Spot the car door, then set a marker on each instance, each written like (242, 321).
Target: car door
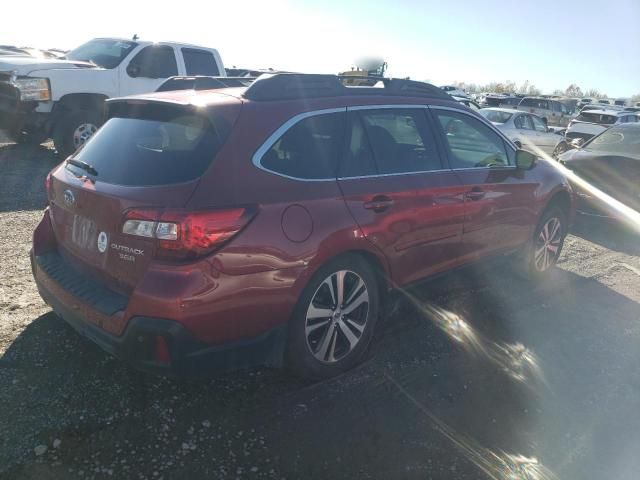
(546, 140)
(525, 131)
(499, 198)
(148, 69)
(400, 193)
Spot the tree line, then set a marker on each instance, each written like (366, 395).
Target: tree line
(527, 88)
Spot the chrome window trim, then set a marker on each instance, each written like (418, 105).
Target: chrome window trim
(488, 124)
(386, 106)
(378, 175)
(281, 130)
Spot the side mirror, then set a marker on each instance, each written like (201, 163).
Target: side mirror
(133, 70)
(525, 160)
(577, 142)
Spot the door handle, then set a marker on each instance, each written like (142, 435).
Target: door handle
(475, 194)
(379, 203)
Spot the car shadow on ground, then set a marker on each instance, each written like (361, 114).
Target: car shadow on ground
(608, 233)
(474, 372)
(24, 169)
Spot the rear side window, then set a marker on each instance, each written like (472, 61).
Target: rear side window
(200, 62)
(154, 61)
(138, 151)
(309, 149)
(400, 140)
(471, 143)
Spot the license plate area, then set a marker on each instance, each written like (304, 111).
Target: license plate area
(84, 233)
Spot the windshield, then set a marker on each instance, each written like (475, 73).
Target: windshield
(102, 52)
(495, 116)
(616, 140)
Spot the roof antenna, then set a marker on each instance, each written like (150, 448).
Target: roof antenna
(135, 37)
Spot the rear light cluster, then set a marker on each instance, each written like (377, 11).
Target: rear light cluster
(180, 234)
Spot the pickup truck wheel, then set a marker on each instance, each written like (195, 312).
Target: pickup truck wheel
(73, 130)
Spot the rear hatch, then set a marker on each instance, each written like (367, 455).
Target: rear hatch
(592, 122)
(147, 157)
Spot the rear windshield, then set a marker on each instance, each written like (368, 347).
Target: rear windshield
(593, 117)
(138, 151)
(616, 140)
(495, 116)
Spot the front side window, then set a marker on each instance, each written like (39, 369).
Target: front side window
(200, 62)
(309, 149)
(523, 122)
(154, 61)
(538, 124)
(400, 140)
(471, 143)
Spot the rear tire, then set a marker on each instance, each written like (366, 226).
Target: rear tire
(328, 337)
(73, 130)
(543, 250)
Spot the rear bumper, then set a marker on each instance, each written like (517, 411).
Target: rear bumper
(137, 345)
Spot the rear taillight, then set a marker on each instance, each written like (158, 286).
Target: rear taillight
(182, 234)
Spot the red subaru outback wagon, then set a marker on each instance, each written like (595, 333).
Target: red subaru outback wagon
(264, 225)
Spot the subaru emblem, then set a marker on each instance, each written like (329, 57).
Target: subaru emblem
(103, 241)
(69, 197)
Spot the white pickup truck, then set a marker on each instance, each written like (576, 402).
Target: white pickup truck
(64, 99)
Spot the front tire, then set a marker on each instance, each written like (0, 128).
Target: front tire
(73, 130)
(544, 249)
(334, 319)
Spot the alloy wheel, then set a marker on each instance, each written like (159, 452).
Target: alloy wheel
(337, 316)
(547, 245)
(82, 133)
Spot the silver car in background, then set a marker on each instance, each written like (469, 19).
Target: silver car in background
(526, 130)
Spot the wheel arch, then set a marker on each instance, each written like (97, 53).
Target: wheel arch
(80, 101)
(561, 199)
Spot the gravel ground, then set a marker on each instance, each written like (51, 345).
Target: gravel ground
(475, 375)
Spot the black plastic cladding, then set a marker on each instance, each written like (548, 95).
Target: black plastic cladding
(288, 86)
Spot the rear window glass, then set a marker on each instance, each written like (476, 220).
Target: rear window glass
(496, 117)
(136, 151)
(599, 118)
(309, 149)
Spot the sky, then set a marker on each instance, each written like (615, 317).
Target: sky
(550, 43)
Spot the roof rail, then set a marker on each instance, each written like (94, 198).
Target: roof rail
(290, 86)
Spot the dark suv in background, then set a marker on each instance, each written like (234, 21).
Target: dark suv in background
(265, 225)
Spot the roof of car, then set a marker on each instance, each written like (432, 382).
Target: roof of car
(282, 87)
(504, 110)
(607, 111)
(150, 42)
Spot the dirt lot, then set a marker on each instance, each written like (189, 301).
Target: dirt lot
(475, 375)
